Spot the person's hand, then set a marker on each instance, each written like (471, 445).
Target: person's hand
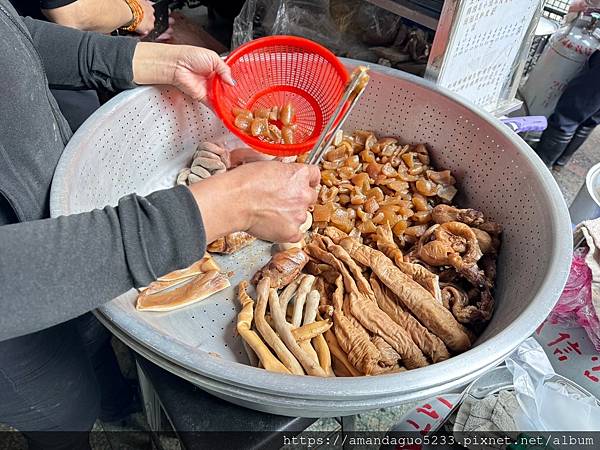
(186, 67)
(280, 196)
(195, 66)
(577, 6)
(147, 23)
(168, 33)
(240, 156)
(268, 199)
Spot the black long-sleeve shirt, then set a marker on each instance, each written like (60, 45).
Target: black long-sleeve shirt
(33, 8)
(52, 270)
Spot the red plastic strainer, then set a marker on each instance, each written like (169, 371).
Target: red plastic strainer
(276, 70)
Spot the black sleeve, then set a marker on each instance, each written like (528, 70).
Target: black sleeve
(53, 270)
(52, 4)
(76, 59)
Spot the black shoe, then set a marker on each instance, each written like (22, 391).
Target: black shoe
(578, 140)
(552, 145)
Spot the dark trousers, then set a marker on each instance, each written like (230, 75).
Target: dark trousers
(54, 383)
(579, 105)
(76, 106)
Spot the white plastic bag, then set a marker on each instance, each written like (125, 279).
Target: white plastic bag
(548, 400)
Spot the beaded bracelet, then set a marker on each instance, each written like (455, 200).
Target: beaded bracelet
(138, 15)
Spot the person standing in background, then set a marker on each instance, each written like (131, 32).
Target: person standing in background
(103, 16)
(577, 112)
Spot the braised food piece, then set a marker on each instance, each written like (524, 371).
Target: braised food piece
(304, 289)
(488, 264)
(446, 213)
(362, 283)
(379, 323)
(389, 356)
(368, 314)
(361, 352)
(283, 268)
(205, 264)
(340, 363)
(231, 243)
(317, 344)
(454, 244)
(430, 344)
(267, 332)
(362, 73)
(324, 354)
(426, 278)
(484, 240)
(244, 328)
(290, 290)
(461, 303)
(198, 288)
(493, 228)
(337, 353)
(287, 114)
(275, 125)
(421, 303)
(311, 330)
(310, 364)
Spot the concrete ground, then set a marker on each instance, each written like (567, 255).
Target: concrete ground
(572, 177)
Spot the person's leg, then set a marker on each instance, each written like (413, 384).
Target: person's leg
(579, 103)
(581, 135)
(116, 393)
(48, 390)
(580, 100)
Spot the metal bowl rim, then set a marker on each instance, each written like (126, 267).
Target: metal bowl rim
(459, 367)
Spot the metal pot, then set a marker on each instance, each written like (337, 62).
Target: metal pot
(586, 205)
(152, 133)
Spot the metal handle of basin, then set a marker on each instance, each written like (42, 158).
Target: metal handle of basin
(527, 123)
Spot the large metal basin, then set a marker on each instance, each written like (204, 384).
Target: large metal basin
(139, 140)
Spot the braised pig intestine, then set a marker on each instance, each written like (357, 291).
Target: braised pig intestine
(453, 244)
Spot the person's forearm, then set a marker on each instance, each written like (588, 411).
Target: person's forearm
(155, 63)
(92, 15)
(186, 67)
(75, 59)
(54, 270)
(224, 205)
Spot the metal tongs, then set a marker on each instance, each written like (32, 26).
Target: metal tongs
(356, 86)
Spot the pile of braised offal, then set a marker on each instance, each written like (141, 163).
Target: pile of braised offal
(392, 277)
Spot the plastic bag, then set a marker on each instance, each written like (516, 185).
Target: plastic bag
(377, 26)
(343, 13)
(254, 20)
(574, 307)
(307, 18)
(546, 400)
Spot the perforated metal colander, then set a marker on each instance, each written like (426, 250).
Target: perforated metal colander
(139, 140)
